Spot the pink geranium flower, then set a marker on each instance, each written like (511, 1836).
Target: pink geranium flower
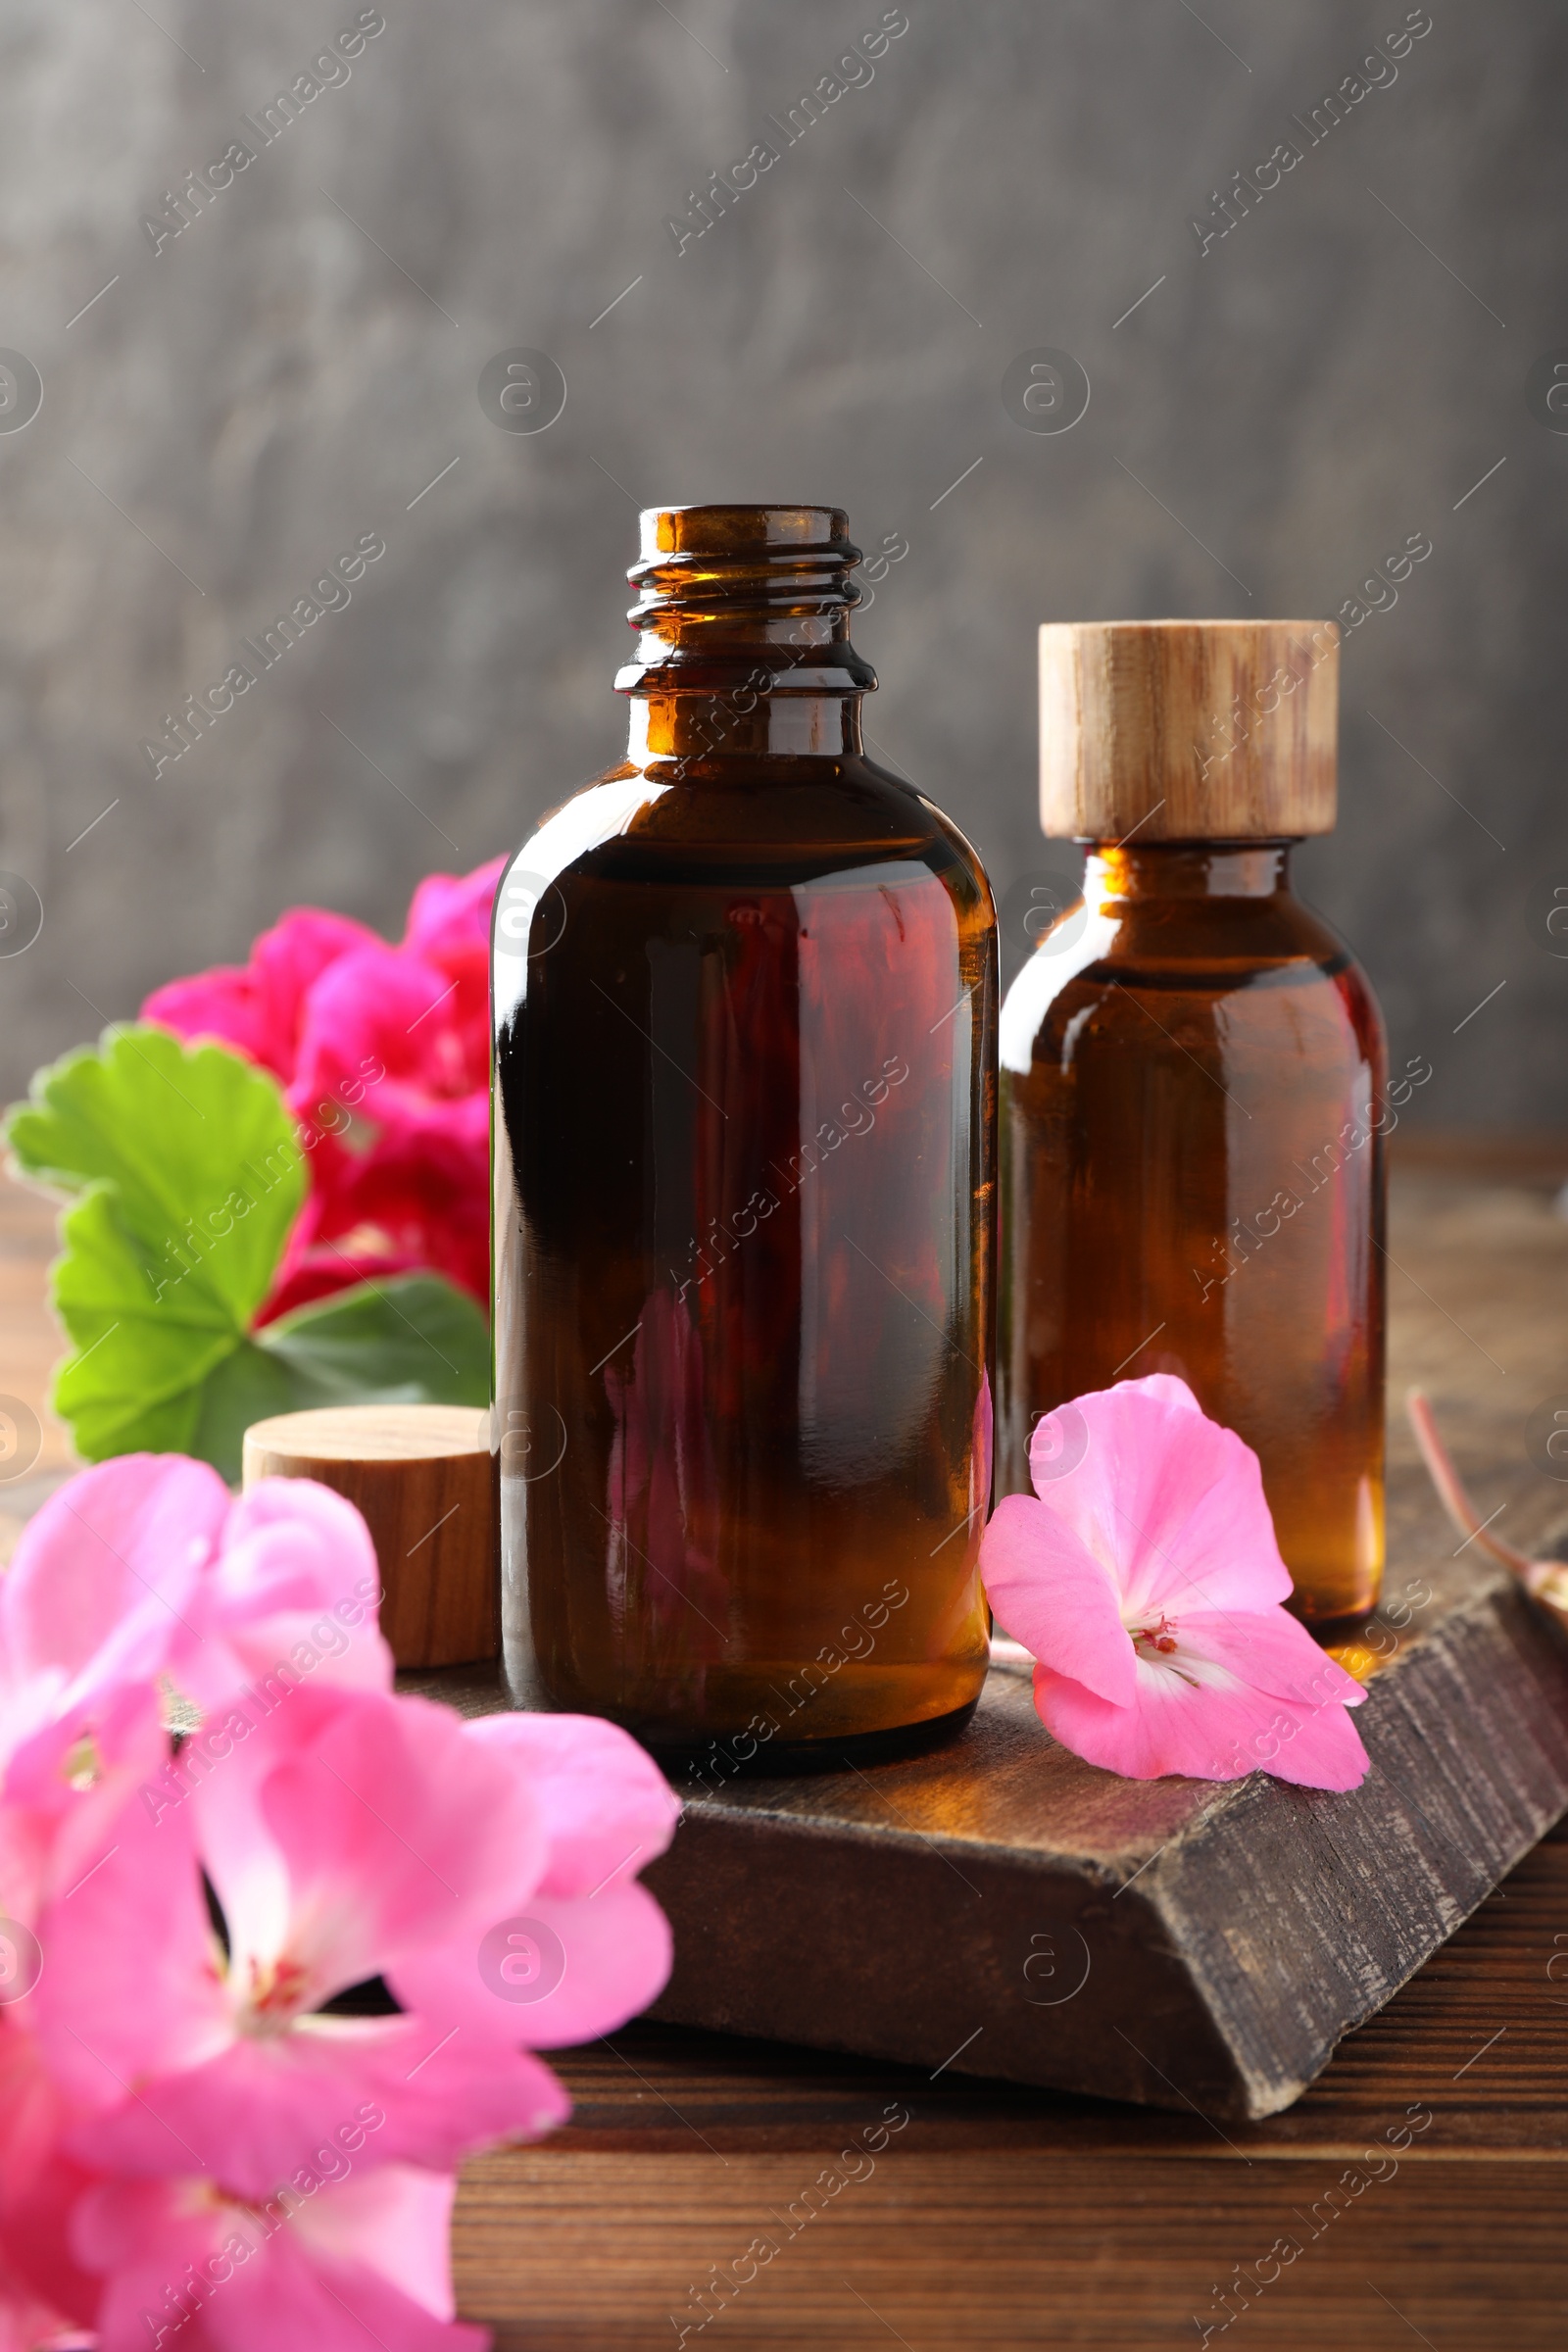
(201, 2142)
(348, 1837)
(1145, 1578)
(384, 1052)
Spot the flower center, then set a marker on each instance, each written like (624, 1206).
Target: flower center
(82, 1766)
(1157, 1636)
(278, 1994)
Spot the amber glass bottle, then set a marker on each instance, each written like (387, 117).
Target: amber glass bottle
(1193, 1099)
(743, 1000)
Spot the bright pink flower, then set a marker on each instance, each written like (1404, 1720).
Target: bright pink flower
(351, 2259)
(448, 920)
(259, 1008)
(384, 1052)
(345, 1832)
(348, 1837)
(1146, 1581)
(393, 1032)
(180, 2073)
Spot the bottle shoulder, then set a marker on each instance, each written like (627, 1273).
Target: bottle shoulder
(1096, 974)
(799, 813)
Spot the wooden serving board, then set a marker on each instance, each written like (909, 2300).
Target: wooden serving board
(1001, 1908)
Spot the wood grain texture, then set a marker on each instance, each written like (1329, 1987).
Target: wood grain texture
(1178, 730)
(423, 1476)
(1022, 2217)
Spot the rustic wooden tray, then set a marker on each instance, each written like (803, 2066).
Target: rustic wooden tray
(1001, 1908)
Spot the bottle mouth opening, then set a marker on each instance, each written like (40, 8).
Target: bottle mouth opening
(739, 531)
(763, 589)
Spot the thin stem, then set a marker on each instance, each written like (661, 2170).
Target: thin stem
(1451, 1495)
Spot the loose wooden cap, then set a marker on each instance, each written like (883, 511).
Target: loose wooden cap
(1188, 731)
(423, 1476)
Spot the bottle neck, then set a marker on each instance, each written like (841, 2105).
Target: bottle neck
(1253, 869)
(743, 636)
(747, 724)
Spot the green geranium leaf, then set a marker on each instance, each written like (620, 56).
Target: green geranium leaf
(188, 1177)
(412, 1340)
(428, 1341)
(191, 1177)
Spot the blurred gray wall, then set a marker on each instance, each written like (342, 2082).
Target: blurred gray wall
(287, 374)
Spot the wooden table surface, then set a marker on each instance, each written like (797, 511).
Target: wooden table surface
(1001, 2216)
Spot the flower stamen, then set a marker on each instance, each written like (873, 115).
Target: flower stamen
(278, 1994)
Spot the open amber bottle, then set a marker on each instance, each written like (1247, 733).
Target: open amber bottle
(1193, 1096)
(744, 1002)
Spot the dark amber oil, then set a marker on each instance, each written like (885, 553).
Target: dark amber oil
(744, 994)
(1192, 1109)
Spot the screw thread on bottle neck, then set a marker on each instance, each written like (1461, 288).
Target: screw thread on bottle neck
(738, 601)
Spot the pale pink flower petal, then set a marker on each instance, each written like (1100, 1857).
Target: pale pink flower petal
(1048, 1591)
(605, 1948)
(607, 1807)
(589, 1964)
(100, 1591)
(1272, 1652)
(101, 1600)
(1172, 1497)
(66, 1785)
(295, 1584)
(396, 2219)
(132, 1985)
(1222, 1730)
(143, 1571)
(253, 2115)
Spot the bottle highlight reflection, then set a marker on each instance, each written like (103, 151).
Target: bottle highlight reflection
(742, 1193)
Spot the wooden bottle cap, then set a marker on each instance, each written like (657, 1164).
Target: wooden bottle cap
(1188, 731)
(421, 1475)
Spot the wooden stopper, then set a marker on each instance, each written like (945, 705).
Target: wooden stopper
(421, 1475)
(1188, 731)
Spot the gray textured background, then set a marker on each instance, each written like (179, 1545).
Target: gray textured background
(290, 371)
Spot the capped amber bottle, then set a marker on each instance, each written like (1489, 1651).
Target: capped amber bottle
(1193, 1092)
(744, 1005)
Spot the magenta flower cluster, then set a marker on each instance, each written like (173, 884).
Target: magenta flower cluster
(277, 1946)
